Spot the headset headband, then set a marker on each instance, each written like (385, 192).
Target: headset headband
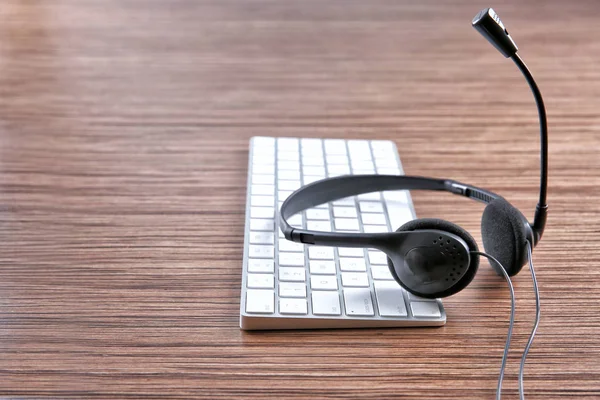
(331, 189)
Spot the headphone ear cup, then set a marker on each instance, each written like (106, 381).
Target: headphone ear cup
(504, 231)
(442, 225)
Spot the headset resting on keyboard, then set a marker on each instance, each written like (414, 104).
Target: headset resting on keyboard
(433, 257)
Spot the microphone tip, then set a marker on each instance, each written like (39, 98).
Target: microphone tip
(481, 14)
(488, 23)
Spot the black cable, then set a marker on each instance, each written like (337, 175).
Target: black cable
(535, 325)
(511, 321)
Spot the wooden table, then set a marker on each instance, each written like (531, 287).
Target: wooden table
(124, 129)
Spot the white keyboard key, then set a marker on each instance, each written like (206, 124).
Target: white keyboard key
(350, 252)
(400, 196)
(335, 146)
(347, 201)
(263, 170)
(323, 226)
(260, 301)
(315, 171)
(363, 168)
(293, 306)
(352, 264)
(261, 265)
(323, 282)
(268, 201)
(384, 153)
(399, 215)
(346, 224)
(344, 212)
(428, 309)
(260, 160)
(288, 155)
(262, 212)
(261, 237)
(292, 289)
(289, 185)
(312, 151)
(260, 154)
(388, 171)
(373, 219)
(381, 272)
(370, 206)
(320, 214)
(295, 259)
(358, 302)
(287, 144)
(288, 245)
(390, 300)
(322, 267)
(283, 194)
(337, 170)
(261, 251)
(361, 161)
(263, 141)
(377, 257)
(359, 147)
(295, 220)
(288, 165)
(310, 142)
(375, 228)
(355, 279)
(362, 164)
(261, 281)
(263, 179)
(363, 171)
(261, 224)
(312, 161)
(335, 174)
(336, 160)
(292, 274)
(288, 175)
(369, 196)
(320, 253)
(326, 303)
(310, 179)
(268, 190)
(385, 163)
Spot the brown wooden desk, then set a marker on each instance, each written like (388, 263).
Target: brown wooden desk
(124, 129)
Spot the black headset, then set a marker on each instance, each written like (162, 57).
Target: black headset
(432, 257)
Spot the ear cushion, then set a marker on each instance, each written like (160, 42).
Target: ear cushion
(504, 231)
(440, 224)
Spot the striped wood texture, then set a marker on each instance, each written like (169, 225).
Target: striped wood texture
(124, 129)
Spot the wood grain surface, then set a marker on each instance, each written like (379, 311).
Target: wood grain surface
(124, 129)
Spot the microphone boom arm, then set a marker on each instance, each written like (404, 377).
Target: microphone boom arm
(541, 210)
(488, 23)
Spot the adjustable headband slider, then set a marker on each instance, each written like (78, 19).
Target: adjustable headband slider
(296, 236)
(291, 234)
(455, 187)
(471, 192)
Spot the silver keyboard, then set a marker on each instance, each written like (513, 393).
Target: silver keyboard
(287, 285)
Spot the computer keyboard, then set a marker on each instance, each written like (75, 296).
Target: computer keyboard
(288, 285)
